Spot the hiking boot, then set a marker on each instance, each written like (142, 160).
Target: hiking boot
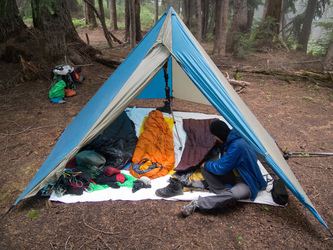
(174, 188)
(189, 209)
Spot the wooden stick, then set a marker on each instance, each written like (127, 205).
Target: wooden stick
(27, 129)
(237, 82)
(97, 230)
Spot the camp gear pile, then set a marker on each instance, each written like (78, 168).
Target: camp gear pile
(64, 80)
(110, 181)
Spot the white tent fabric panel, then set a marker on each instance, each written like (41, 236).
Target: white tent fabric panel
(183, 87)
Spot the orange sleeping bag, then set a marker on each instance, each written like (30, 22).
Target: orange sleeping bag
(155, 144)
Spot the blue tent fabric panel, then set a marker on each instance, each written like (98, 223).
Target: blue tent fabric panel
(196, 67)
(156, 88)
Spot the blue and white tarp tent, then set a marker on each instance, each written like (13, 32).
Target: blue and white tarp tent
(193, 77)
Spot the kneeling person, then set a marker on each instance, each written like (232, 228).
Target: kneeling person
(235, 176)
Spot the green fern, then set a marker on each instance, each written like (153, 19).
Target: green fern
(33, 214)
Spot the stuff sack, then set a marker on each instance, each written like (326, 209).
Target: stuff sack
(279, 193)
(58, 90)
(91, 161)
(145, 167)
(70, 92)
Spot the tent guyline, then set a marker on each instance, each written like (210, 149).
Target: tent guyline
(192, 76)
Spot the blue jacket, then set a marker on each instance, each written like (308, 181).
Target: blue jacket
(238, 154)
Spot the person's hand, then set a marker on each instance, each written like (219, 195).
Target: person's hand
(202, 165)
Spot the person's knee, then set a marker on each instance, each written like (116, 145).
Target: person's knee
(204, 172)
(241, 191)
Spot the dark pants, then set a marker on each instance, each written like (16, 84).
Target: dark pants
(224, 194)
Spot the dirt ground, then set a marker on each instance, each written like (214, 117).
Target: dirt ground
(297, 112)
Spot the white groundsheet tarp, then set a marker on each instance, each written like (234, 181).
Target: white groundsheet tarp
(137, 115)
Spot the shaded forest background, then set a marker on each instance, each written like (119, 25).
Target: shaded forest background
(236, 28)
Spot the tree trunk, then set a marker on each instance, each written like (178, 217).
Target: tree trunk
(113, 15)
(264, 11)
(217, 18)
(61, 38)
(132, 29)
(36, 14)
(199, 21)
(176, 5)
(186, 12)
(164, 5)
(328, 61)
(273, 11)
(53, 27)
(102, 19)
(304, 35)
(250, 15)
(156, 11)
(238, 25)
(74, 8)
(283, 26)
(205, 16)
(212, 19)
(89, 14)
(127, 20)
(222, 7)
(138, 35)
(11, 24)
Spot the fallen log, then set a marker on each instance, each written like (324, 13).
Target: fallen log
(303, 74)
(112, 63)
(238, 85)
(237, 82)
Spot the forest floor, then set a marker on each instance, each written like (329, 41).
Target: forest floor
(297, 112)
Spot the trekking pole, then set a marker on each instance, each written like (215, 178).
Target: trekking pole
(287, 154)
(174, 122)
(168, 97)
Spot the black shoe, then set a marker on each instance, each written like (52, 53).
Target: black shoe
(189, 209)
(174, 188)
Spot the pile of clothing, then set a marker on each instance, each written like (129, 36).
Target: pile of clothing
(87, 172)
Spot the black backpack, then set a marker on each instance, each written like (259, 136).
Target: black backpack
(279, 193)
